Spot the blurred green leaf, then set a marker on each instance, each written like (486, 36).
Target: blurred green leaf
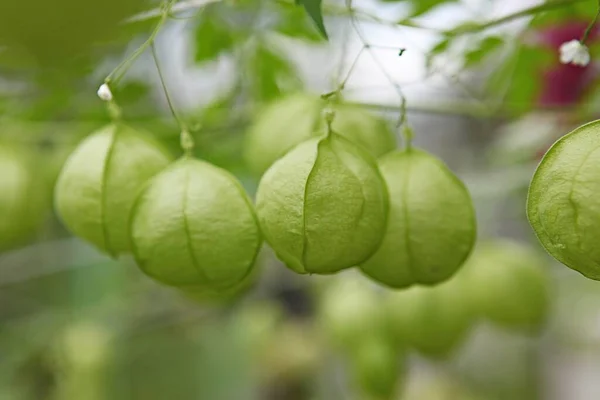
(437, 50)
(213, 37)
(516, 80)
(313, 9)
(294, 23)
(271, 73)
(420, 7)
(486, 47)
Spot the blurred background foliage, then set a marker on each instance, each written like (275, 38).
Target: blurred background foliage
(485, 92)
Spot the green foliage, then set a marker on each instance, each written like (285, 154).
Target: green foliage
(313, 9)
(270, 73)
(213, 37)
(294, 23)
(483, 49)
(420, 7)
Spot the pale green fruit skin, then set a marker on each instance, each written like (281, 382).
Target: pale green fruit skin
(296, 118)
(323, 206)
(433, 320)
(23, 205)
(350, 312)
(431, 228)
(507, 284)
(194, 226)
(377, 368)
(563, 205)
(99, 182)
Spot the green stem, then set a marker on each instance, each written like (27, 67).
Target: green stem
(116, 75)
(591, 25)
(552, 5)
(186, 141)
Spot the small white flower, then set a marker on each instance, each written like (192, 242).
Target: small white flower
(574, 52)
(104, 92)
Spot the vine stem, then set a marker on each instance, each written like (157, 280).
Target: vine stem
(591, 25)
(186, 140)
(407, 133)
(116, 74)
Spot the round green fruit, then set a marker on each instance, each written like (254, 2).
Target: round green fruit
(433, 320)
(350, 312)
(23, 197)
(296, 118)
(193, 226)
(563, 205)
(507, 284)
(377, 368)
(323, 206)
(100, 180)
(431, 226)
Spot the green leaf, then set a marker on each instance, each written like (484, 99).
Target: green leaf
(420, 7)
(294, 23)
(486, 47)
(516, 81)
(313, 9)
(213, 37)
(438, 49)
(272, 74)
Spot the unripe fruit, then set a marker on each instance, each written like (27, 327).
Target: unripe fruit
(433, 320)
(377, 368)
(563, 205)
(323, 206)
(431, 225)
(294, 119)
(99, 182)
(507, 284)
(23, 197)
(194, 226)
(350, 312)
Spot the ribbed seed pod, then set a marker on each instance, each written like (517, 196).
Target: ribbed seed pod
(23, 197)
(296, 118)
(193, 226)
(431, 226)
(433, 320)
(100, 180)
(323, 206)
(563, 205)
(507, 284)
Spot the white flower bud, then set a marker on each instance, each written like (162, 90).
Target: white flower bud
(574, 52)
(104, 92)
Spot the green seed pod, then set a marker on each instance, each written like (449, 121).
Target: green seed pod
(294, 119)
(507, 284)
(323, 206)
(377, 368)
(431, 226)
(563, 205)
(433, 320)
(194, 226)
(98, 184)
(23, 197)
(350, 312)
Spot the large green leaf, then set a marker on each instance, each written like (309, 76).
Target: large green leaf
(313, 9)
